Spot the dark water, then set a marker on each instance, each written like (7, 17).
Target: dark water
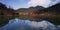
(18, 24)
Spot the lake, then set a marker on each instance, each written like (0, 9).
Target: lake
(18, 24)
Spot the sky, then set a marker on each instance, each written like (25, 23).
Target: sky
(16, 4)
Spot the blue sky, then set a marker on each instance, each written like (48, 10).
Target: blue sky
(28, 3)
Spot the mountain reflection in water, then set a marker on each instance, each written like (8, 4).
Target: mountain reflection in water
(17, 24)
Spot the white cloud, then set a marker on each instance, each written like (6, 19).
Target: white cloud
(43, 24)
(56, 1)
(44, 3)
(40, 24)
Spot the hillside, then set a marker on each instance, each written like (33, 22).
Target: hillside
(51, 14)
(5, 14)
(31, 9)
(54, 9)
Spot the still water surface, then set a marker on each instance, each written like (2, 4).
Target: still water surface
(18, 24)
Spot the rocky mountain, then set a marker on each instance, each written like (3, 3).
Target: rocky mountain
(54, 9)
(54, 12)
(31, 9)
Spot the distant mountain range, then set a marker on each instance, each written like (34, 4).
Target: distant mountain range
(52, 12)
(54, 9)
(31, 9)
(39, 9)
